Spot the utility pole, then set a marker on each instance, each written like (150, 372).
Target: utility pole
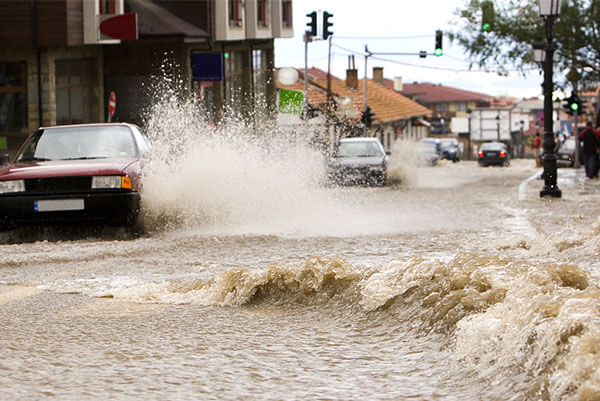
(367, 54)
(329, 95)
(365, 105)
(307, 38)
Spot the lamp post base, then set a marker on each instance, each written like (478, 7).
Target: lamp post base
(550, 190)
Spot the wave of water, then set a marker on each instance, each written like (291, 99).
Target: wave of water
(535, 325)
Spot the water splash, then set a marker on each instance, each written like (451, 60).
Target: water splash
(229, 175)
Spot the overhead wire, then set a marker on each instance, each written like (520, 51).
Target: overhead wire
(374, 56)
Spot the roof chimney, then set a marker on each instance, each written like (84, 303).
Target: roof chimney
(352, 78)
(378, 75)
(398, 84)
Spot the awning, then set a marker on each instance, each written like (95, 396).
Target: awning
(156, 21)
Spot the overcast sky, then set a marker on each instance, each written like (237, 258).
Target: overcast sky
(396, 26)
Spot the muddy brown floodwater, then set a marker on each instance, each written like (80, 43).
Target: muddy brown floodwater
(460, 283)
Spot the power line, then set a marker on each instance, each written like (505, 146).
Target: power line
(430, 66)
(382, 37)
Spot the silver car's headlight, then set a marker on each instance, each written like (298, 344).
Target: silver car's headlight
(11, 186)
(111, 182)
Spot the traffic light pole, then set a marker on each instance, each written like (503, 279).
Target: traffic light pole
(305, 100)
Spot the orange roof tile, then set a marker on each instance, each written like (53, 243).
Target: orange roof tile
(387, 104)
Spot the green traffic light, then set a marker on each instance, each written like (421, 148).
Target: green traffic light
(438, 52)
(574, 106)
(486, 27)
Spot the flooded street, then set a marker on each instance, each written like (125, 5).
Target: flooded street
(462, 284)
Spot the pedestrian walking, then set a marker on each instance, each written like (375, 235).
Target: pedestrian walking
(591, 145)
(537, 150)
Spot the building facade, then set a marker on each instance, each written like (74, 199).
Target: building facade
(60, 59)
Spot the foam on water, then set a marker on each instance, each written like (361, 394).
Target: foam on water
(535, 325)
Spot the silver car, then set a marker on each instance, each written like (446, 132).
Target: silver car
(359, 161)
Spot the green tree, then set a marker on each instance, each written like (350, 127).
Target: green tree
(517, 26)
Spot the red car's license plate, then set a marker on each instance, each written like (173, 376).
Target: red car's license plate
(58, 205)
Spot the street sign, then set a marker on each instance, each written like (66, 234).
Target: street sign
(120, 26)
(290, 101)
(112, 105)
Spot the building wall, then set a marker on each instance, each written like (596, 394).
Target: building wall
(41, 87)
(137, 72)
(36, 23)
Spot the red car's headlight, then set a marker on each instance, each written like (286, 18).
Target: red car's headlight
(11, 186)
(111, 182)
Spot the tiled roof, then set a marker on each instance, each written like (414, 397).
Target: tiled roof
(387, 104)
(428, 93)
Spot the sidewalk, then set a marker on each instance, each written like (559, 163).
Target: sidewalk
(569, 180)
(576, 179)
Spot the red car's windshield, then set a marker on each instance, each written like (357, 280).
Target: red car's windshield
(68, 143)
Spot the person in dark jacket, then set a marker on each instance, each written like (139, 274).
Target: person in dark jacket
(591, 143)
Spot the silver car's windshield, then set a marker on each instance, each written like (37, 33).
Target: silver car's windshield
(568, 145)
(428, 147)
(359, 149)
(447, 143)
(80, 143)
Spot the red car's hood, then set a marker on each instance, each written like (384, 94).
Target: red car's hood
(61, 168)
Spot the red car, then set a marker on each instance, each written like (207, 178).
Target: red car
(74, 174)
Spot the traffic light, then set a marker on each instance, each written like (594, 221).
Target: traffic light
(573, 105)
(487, 16)
(438, 43)
(367, 116)
(326, 24)
(567, 104)
(312, 24)
(580, 107)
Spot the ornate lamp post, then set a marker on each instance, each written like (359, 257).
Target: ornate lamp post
(549, 9)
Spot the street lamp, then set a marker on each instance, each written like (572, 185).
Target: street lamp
(549, 9)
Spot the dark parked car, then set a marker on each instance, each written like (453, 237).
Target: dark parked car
(74, 174)
(450, 149)
(430, 150)
(359, 161)
(493, 153)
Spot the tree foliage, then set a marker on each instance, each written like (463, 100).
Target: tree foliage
(517, 26)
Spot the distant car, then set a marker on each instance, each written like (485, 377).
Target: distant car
(450, 149)
(430, 150)
(359, 161)
(565, 155)
(493, 153)
(74, 174)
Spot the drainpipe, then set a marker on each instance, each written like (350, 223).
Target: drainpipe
(39, 61)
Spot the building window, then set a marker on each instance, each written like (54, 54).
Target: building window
(262, 13)
(461, 106)
(107, 6)
(442, 107)
(235, 12)
(13, 97)
(74, 92)
(286, 13)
